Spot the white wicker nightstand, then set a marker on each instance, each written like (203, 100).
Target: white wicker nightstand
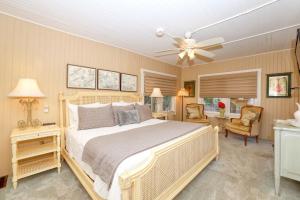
(34, 150)
(160, 115)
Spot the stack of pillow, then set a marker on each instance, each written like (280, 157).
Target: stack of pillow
(98, 115)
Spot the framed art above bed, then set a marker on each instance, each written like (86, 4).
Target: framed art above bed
(108, 80)
(128, 82)
(81, 77)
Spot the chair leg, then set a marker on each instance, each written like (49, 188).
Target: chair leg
(245, 139)
(256, 137)
(226, 133)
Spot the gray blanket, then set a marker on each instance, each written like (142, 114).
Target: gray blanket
(105, 153)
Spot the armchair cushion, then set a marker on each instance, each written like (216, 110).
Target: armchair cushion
(237, 127)
(247, 117)
(193, 113)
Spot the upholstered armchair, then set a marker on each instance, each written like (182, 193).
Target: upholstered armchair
(195, 113)
(248, 124)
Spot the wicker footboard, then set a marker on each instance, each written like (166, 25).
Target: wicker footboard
(171, 167)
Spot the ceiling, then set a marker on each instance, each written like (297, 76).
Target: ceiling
(131, 24)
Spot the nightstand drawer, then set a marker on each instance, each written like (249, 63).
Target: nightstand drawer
(35, 135)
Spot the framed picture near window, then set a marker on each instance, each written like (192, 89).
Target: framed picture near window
(128, 83)
(279, 85)
(190, 87)
(108, 80)
(81, 77)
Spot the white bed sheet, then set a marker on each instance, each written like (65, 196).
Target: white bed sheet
(76, 140)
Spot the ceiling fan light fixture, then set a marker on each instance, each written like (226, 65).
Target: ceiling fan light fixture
(191, 54)
(182, 54)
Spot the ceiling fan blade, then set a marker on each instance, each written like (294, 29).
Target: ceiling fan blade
(167, 50)
(166, 54)
(210, 42)
(204, 53)
(180, 41)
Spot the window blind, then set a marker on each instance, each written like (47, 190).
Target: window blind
(166, 84)
(239, 85)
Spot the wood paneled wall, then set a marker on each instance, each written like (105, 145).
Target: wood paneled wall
(29, 50)
(272, 62)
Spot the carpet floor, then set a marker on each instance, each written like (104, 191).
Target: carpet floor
(241, 173)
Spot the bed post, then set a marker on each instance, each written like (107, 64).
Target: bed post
(125, 185)
(61, 121)
(216, 131)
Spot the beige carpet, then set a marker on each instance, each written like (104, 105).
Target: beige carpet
(240, 173)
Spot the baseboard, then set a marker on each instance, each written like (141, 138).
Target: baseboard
(3, 181)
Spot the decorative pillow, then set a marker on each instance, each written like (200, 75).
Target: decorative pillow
(95, 117)
(144, 112)
(193, 113)
(247, 117)
(128, 117)
(73, 113)
(116, 109)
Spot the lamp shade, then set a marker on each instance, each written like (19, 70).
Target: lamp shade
(156, 93)
(183, 92)
(26, 88)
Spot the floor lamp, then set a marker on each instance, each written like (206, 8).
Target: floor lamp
(182, 93)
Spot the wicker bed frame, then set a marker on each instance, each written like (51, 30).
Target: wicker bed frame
(169, 169)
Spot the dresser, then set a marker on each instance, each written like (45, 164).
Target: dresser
(34, 150)
(287, 153)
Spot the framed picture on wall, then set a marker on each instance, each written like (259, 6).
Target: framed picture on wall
(108, 80)
(81, 77)
(190, 87)
(279, 85)
(128, 83)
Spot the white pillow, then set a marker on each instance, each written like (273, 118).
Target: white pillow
(123, 103)
(73, 113)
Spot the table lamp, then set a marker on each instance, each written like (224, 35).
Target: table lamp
(27, 90)
(182, 93)
(156, 93)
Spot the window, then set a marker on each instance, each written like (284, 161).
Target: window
(237, 103)
(168, 104)
(238, 88)
(232, 105)
(168, 86)
(211, 104)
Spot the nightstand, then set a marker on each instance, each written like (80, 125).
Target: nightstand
(34, 150)
(160, 115)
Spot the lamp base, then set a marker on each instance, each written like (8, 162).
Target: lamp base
(28, 104)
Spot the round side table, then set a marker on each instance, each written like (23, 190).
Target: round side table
(221, 122)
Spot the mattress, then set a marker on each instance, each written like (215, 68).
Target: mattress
(76, 140)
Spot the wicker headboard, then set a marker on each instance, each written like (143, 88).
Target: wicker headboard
(87, 98)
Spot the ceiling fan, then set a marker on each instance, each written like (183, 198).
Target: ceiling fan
(189, 47)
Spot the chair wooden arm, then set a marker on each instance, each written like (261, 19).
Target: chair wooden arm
(235, 119)
(254, 127)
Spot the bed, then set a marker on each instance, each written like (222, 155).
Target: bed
(157, 173)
